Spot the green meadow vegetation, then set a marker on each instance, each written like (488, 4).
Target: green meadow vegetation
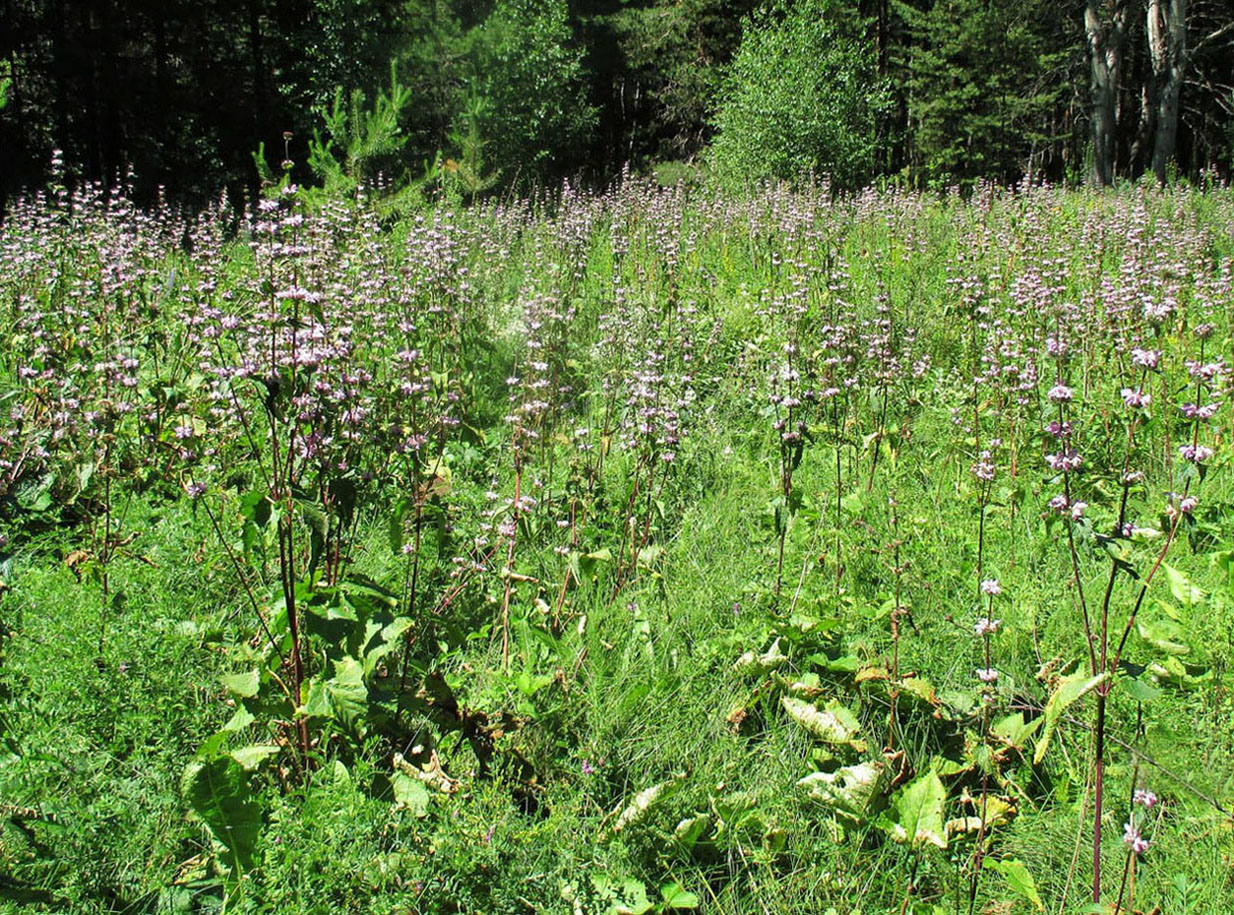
(647, 551)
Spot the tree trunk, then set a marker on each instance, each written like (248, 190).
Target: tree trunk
(1167, 47)
(1105, 24)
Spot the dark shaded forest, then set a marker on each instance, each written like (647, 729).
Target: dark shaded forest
(483, 96)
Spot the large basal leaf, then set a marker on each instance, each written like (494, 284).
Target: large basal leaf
(343, 697)
(410, 794)
(1070, 689)
(834, 723)
(673, 896)
(633, 812)
(251, 757)
(217, 790)
(917, 815)
(851, 791)
(1018, 879)
(1181, 587)
(244, 685)
(1165, 635)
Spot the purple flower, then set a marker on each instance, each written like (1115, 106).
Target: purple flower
(986, 626)
(1060, 393)
(1133, 840)
(1192, 411)
(984, 468)
(1135, 398)
(1146, 358)
(1196, 454)
(991, 586)
(987, 674)
(1064, 461)
(1145, 797)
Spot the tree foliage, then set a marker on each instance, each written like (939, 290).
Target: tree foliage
(180, 93)
(527, 67)
(989, 88)
(802, 97)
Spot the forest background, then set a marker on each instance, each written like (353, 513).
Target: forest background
(490, 96)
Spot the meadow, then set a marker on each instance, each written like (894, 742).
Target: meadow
(639, 552)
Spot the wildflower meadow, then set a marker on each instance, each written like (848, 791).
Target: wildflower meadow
(660, 549)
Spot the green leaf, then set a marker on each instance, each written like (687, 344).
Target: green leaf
(410, 794)
(1164, 635)
(833, 724)
(1019, 880)
(918, 813)
(394, 527)
(343, 698)
(677, 898)
(239, 721)
(692, 829)
(629, 897)
(217, 791)
(1013, 731)
(255, 507)
(1070, 689)
(1141, 690)
(251, 757)
(244, 685)
(644, 801)
(1181, 587)
(757, 665)
(851, 791)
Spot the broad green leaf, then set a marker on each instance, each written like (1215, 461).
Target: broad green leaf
(919, 688)
(343, 697)
(529, 683)
(644, 801)
(851, 791)
(1181, 587)
(759, 664)
(690, 830)
(1018, 879)
(394, 528)
(410, 794)
(629, 897)
(239, 721)
(1164, 635)
(834, 723)
(244, 685)
(677, 898)
(1070, 688)
(1013, 731)
(918, 813)
(1139, 689)
(255, 507)
(251, 757)
(217, 791)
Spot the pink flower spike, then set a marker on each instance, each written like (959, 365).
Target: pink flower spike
(1133, 840)
(986, 626)
(1060, 393)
